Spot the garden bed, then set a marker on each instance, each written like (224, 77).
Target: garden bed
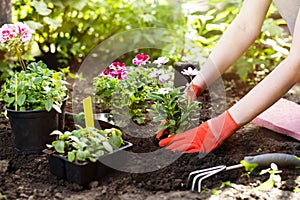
(28, 176)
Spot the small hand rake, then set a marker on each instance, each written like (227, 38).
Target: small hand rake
(249, 162)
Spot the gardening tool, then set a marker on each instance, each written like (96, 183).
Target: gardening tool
(249, 163)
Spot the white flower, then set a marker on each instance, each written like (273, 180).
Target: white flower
(156, 73)
(164, 78)
(190, 72)
(164, 90)
(161, 61)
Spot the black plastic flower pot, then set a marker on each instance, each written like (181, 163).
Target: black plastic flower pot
(31, 129)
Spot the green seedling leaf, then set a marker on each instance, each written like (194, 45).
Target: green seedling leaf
(71, 156)
(249, 167)
(60, 146)
(74, 138)
(107, 146)
(267, 185)
(224, 184)
(56, 132)
(81, 155)
(92, 159)
(115, 141)
(99, 153)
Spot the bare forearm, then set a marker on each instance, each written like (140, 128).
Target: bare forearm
(230, 47)
(234, 42)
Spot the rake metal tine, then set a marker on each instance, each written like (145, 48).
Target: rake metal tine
(204, 172)
(208, 175)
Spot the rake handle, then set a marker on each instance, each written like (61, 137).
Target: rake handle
(280, 159)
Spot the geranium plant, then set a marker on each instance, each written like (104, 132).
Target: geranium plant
(105, 84)
(123, 89)
(35, 87)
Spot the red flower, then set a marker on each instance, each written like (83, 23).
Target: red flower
(141, 59)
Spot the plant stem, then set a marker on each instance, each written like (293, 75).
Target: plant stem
(20, 58)
(16, 92)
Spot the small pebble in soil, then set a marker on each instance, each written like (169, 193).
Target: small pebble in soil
(3, 166)
(59, 195)
(93, 184)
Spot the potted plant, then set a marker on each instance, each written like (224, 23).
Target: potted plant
(76, 155)
(33, 96)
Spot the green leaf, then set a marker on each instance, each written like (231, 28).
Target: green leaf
(60, 147)
(115, 141)
(52, 22)
(21, 99)
(71, 156)
(99, 153)
(81, 155)
(248, 166)
(48, 104)
(41, 7)
(107, 146)
(34, 25)
(57, 108)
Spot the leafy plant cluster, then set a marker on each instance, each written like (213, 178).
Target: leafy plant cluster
(36, 88)
(86, 144)
(129, 99)
(105, 88)
(171, 106)
(123, 91)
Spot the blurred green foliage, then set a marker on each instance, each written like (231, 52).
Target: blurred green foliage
(67, 30)
(70, 29)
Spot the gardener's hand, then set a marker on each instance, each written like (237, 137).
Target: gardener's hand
(192, 91)
(163, 132)
(204, 138)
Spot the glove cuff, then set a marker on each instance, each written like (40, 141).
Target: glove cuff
(223, 126)
(197, 89)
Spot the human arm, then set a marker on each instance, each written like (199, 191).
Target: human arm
(234, 42)
(266, 93)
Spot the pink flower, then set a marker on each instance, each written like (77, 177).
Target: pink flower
(141, 59)
(17, 31)
(115, 70)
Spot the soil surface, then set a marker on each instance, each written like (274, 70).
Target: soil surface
(28, 176)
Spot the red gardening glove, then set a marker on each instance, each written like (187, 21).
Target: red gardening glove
(203, 138)
(162, 133)
(193, 91)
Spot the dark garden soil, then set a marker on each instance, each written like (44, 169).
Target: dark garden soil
(28, 176)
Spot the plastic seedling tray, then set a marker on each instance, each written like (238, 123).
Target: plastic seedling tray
(84, 173)
(115, 159)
